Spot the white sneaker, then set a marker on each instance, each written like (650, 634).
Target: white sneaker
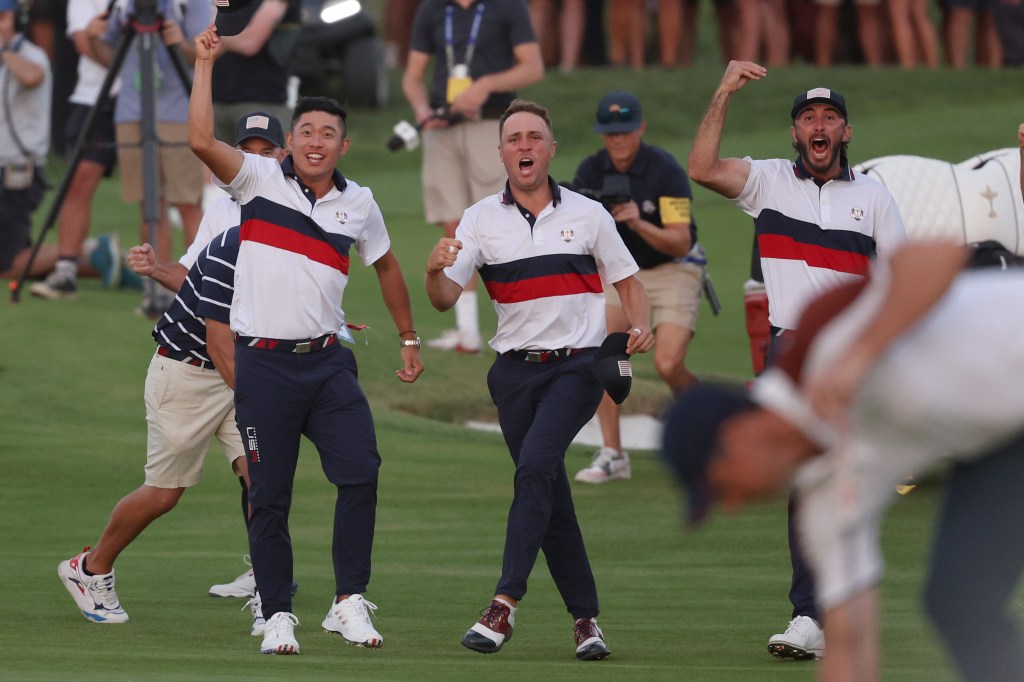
(448, 340)
(350, 618)
(243, 587)
(94, 594)
(803, 639)
(279, 635)
(608, 464)
(259, 623)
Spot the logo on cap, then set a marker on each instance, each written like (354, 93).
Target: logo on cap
(257, 121)
(819, 92)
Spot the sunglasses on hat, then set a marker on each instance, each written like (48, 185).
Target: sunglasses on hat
(621, 115)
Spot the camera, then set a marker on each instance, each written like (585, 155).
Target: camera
(615, 190)
(407, 136)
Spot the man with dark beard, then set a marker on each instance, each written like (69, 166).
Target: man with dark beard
(817, 225)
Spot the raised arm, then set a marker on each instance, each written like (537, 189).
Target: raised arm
(220, 157)
(705, 166)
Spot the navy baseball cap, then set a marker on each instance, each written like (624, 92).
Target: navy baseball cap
(261, 125)
(618, 112)
(9, 6)
(690, 438)
(819, 96)
(612, 368)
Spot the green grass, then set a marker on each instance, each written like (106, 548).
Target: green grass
(675, 605)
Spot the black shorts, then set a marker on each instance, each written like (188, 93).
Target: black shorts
(16, 207)
(101, 147)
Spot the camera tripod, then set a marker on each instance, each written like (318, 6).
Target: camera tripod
(144, 23)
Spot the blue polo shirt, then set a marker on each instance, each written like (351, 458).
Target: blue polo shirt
(654, 174)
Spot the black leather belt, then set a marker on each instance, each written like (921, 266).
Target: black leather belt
(541, 355)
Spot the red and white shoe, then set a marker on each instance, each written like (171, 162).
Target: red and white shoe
(494, 628)
(94, 594)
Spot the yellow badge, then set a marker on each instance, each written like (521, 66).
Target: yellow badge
(674, 209)
(457, 86)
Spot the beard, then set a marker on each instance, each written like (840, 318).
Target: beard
(829, 164)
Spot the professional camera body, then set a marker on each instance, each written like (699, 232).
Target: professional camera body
(407, 136)
(615, 190)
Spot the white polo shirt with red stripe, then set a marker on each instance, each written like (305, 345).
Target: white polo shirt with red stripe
(289, 281)
(813, 238)
(545, 281)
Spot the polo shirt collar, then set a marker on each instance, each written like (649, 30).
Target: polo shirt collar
(556, 193)
(845, 172)
(288, 167)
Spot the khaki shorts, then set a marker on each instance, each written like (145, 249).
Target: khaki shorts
(674, 290)
(461, 166)
(186, 406)
(181, 173)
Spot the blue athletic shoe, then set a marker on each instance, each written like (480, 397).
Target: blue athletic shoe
(106, 258)
(129, 280)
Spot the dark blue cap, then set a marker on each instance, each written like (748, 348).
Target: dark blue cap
(819, 96)
(618, 112)
(690, 438)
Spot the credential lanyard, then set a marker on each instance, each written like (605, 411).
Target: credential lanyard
(449, 43)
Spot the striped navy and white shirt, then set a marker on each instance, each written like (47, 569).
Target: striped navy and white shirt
(205, 293)
(815, 236)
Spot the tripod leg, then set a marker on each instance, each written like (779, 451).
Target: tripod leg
(84, 136)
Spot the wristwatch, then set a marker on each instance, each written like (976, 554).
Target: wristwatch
(411, 342)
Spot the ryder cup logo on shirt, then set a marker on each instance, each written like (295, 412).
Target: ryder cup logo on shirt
(568, 235)
(341, 217)
(648, 206)
(857, 214)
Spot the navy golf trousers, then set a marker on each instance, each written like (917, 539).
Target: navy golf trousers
(541, 408)
(976, 564)
(280, 396)
(801, 587)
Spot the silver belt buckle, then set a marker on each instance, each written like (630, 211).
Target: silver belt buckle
(534, 356)
(302, 347)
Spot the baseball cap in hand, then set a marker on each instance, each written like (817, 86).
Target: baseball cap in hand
(612, 368)
(261, 125)
(229, 6)
(819, 96)
(618, 112)
(690, 437)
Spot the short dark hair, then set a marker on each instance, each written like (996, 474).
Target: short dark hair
(519, 105)
(328, 105)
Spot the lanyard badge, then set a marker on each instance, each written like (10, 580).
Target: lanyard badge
(459, 79)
